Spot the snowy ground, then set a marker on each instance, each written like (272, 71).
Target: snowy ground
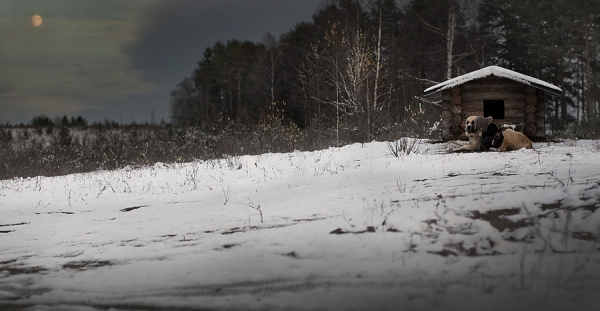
(344, 228)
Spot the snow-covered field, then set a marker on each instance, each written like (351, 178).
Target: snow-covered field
(345, 228)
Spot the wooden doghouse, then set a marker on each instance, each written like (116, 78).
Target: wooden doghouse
(509, 97)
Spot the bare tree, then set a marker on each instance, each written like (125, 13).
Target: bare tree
(185, 103)
(450, 39)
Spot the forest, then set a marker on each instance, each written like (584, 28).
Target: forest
(360, 66)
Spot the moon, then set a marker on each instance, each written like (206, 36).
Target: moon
(36, 20)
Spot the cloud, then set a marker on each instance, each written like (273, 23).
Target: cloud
(171, 39)
(114, 57)
(72, 61)
(6, 88)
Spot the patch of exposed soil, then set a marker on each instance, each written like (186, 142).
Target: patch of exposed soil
(262, 227)
(235, 230)
(545, 207)
(11, 225)
(471, 252)
(586, 236)
(444, 253)
(87, 264)
(498, 220)
(129, 209)
(23, 270)
(291, 254)
(592, 207)
(342, 231)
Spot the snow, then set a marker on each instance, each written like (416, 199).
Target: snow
(493, 71)
(414, 232)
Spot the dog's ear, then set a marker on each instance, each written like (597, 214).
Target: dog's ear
(481, 123)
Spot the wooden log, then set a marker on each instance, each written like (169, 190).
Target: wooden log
(499, 94)
(513, 104)
(530, 90)
(455, 130)
(456, 119)
(531, 99)
(456, 109)
(493, 87)
(508, 103)
(540, 123)
(455, 99)
(447, 124)
(513, 117)
(446, 96)
(530, 109)
(446, 114)
(494, 80)
(446, 104)
(530, 129)
(455, 90)
(540, 114)
(530, 118)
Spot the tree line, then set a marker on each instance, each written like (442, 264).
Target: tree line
(361, 65)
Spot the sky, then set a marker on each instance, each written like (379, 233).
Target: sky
(119, 60)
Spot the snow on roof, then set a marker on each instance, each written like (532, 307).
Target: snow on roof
(498, 72)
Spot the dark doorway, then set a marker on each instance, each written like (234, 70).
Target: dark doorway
(493, 108)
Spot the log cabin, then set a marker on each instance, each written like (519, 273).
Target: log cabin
(509, 97)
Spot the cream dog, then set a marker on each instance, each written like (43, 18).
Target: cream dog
(474, 126)
(514, 140)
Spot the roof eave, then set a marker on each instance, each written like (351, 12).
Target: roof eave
(548, 90)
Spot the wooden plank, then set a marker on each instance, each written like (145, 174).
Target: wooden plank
(494, 79)
(447, 122)
(508, 114)
(446, 114)
(508, 104)
(514, 104)
(480, 88)
(456, 109)
(467, 113)
(446, 96)
(481, 96)
(513, 116)
(530, 109)
(455, 100)
(483, 83)
(530, 118)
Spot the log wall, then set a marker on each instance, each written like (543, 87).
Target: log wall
(523, 106)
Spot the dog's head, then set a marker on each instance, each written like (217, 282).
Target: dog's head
(475, 124)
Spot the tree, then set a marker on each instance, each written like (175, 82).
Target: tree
(41, 121)
(549, 40)
(185, 104)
